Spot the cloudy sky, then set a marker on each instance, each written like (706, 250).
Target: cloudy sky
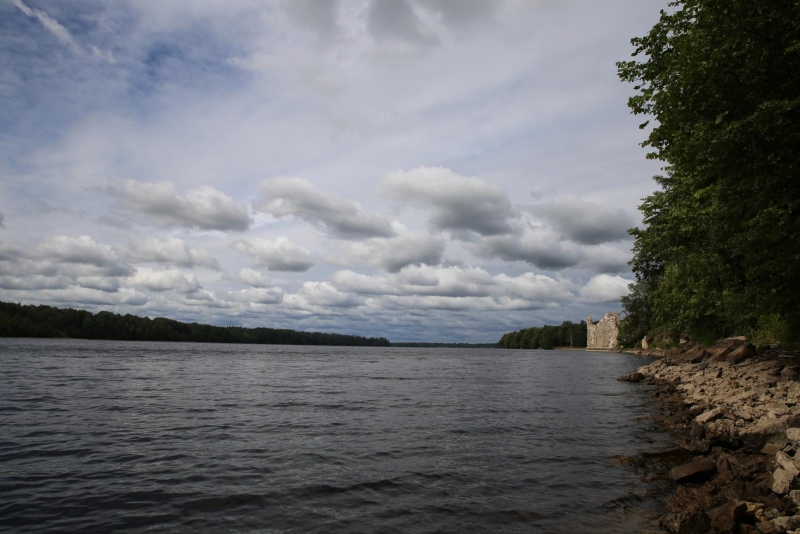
(441, 170)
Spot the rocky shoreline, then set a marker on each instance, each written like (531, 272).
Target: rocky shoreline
(739, 407)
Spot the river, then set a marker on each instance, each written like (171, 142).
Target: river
(106, 436)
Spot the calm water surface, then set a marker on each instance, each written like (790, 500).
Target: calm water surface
(99, 436)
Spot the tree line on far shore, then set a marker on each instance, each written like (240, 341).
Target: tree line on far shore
(18, 320)
(568, 334)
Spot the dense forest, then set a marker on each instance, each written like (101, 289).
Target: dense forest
(17, 320)
(719, 251)
(569, 334)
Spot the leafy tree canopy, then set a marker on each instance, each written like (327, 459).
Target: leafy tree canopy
(720, 250)
(569, 334)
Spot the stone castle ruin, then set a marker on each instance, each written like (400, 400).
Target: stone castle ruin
(603, 334)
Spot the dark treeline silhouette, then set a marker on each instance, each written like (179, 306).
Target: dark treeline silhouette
(17, 320)
(569, 334)
(426, 345)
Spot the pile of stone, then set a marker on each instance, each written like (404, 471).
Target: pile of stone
(740, 408)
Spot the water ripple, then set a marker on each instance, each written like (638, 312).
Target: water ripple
(139, 437)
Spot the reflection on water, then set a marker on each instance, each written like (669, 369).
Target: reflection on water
(108, 436)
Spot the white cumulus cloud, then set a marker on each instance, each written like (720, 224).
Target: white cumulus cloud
(170, 250)
(390, 254)
(341, 217)
(203, 208)
(458, 203)
(276, 255)
(605, 288)
(167, 280)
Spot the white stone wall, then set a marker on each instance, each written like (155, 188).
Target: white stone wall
(603, 334)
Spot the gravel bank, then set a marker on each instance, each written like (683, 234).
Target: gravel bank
(740, 409)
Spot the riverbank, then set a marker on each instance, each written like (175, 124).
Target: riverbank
(740, 410)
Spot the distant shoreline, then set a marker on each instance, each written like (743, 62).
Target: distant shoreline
(28, 321)
(436, 345)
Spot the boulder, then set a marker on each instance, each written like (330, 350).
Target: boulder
(755, 510)
(635, 376)
(710, 415)
(781, 481)
(720, 354)
(695, 445)
(728, 516)
(791, 522)
(787, 463)
(767, 527)
(741, 354)
(694, 472)
(765, 430)
(685, 523)
(723, 432)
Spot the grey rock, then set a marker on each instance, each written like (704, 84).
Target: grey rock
(787, 463)
(781, 481)
(741, 354)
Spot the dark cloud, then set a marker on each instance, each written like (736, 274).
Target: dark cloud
(540, 248)
(203, 208)
(320, 16)
(2, 220)
(585, 222)
(114, 222)
(33, 281)
(109, 284)
(396, 20)
(82, 296)
(339, 216)
(606, 259)
(458, 204)
(461, 13)
(46, 208)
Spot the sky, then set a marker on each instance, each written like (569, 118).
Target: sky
(423, 170)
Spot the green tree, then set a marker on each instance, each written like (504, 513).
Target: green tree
(639, 313)
(720, 249)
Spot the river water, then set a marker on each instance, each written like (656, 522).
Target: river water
(101, 436)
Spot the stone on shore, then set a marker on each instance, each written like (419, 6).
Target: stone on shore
(742, 353)
(632, 377)
(710, 415)
(793, 435)
(728, 516)
(685, 523)
(787, 522)
(781, 481)
(787, 463)
(740, 409)
(693, 472)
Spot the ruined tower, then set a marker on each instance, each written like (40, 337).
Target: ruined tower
(603, 334)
